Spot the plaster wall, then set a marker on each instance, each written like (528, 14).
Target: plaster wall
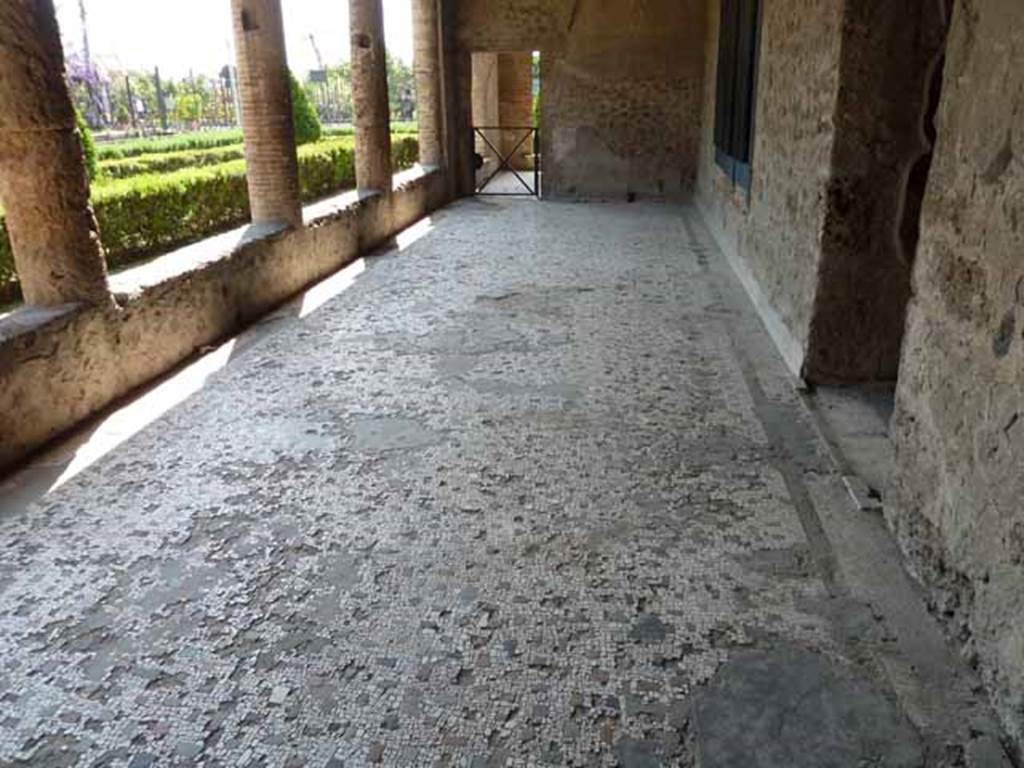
(959, 424)
(621, 85)
(772, 236)
(59, 366)
(840, 141)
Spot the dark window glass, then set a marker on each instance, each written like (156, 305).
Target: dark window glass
(737, 76)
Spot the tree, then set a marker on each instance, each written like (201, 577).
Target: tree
(188, 108)
(337, 104)
(401, 89)
(307, 124)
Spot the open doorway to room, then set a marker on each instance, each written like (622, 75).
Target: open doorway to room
(890, 87)
(506, 134)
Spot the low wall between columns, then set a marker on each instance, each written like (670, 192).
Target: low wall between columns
(59, 366)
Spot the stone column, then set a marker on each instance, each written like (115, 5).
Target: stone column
(44, 188)
(427, 65)
(370, 96)
(272, 168)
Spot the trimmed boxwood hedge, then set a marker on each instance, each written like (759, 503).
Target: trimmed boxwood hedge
(143, 215)
(118, 150)
(169, 161)
(200, 140)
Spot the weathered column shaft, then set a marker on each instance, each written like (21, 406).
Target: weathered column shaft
(44, 188)
(370, 95)
(272, 168)
(427, 65)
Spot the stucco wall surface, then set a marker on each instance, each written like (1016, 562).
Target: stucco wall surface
(620, 88)
(773, 237)
(959, 425)
(513, 25)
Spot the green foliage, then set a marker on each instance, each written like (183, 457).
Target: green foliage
(88, 145)
(326, 167)
(401, 88)
(8, 277)
(199, 140)
(405, 152)
(188, 108)
(398, 127)
(176, 143)
(307, 124)
(167, 162)
(143, 215)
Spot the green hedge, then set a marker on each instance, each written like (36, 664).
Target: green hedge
(397, 129)
(92, 167)
(170, 161)
(165, 162)
(143, 215)
(119, 150)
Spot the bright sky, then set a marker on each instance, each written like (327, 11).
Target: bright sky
(196, 34)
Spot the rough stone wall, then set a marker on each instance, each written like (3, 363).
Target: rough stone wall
(620, 90)
(515, 105)
(486, 112)
(890, 53)
(61, 365)
(959, 425)
(773, 238)
(514, 25)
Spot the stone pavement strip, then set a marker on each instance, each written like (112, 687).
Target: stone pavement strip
(507, 500)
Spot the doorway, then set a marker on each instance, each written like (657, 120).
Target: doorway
(506, 135)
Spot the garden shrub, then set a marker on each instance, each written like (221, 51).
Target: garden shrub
(405, 152)
(143, 215)
(398, 128)
(307, 124)
(8, 277)
(88, 145)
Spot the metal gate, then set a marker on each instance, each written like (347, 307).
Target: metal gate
(520, 187)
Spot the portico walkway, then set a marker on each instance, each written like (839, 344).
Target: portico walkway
(531, 488)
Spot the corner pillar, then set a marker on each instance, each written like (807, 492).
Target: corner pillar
(44, 186)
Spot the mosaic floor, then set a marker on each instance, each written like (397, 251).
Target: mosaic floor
(505, 499)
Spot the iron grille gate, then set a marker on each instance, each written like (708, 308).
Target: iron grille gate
(505, 160)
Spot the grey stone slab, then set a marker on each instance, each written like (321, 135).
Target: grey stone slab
(796, 708)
